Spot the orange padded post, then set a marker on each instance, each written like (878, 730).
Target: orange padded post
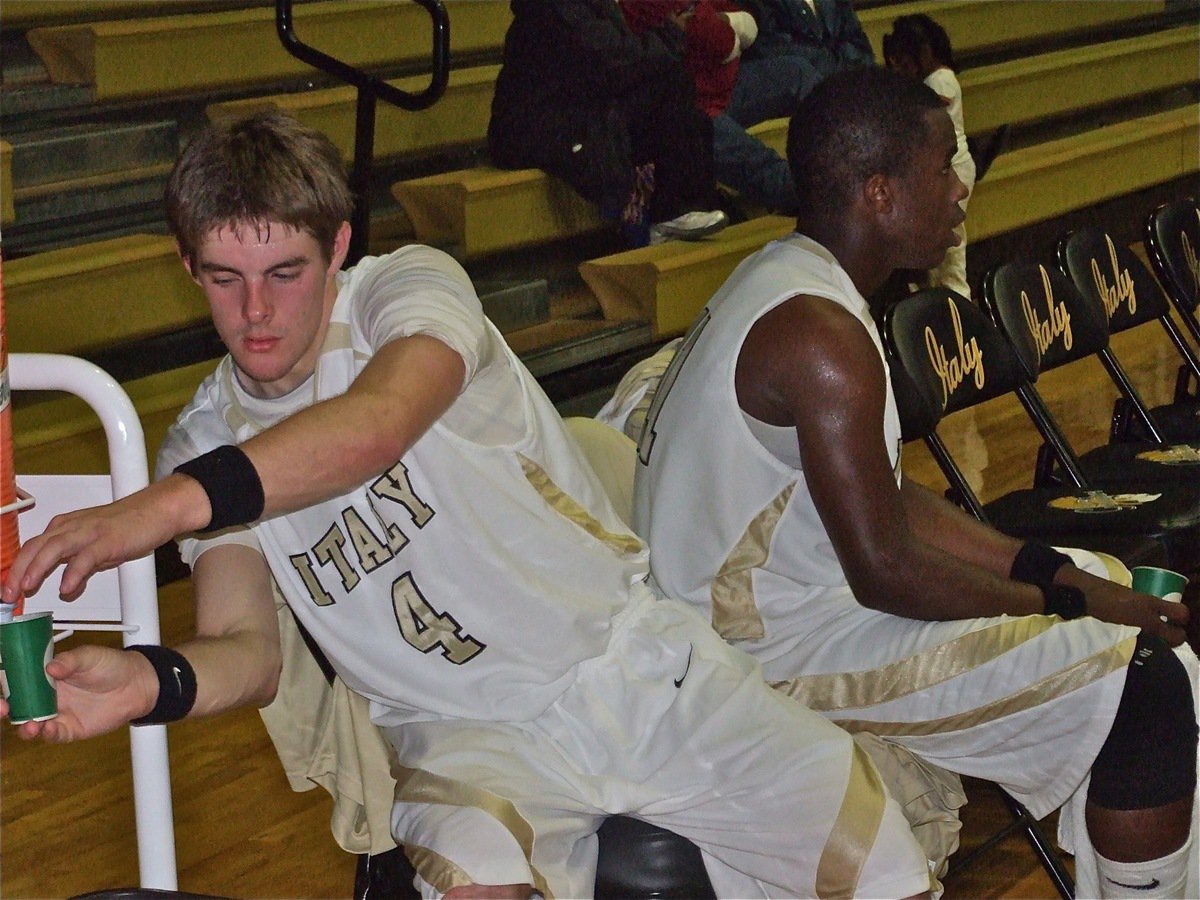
(9, 538)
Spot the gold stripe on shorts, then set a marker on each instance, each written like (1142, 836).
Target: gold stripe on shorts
(1057, 684)
(420, 786)
(735, 614)
(854, 831)
(567, 507)
(853, 690)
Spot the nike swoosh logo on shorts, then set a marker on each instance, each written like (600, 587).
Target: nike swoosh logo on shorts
(687, 668)
(1135, 887)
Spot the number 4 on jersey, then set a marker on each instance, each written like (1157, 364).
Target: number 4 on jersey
(425, 628)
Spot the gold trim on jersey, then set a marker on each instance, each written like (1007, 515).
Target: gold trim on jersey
(1058, 684)
(423, 787)
(849, 690)
(435, 869)
(567, 507)
(854, 831)
(735, 614)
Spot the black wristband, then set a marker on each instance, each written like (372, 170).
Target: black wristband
(235, 491)
(176, 684)
(1064, 601)
(1036, 563)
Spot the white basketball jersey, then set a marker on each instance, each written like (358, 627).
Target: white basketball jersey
(748, 546)
(473, 576)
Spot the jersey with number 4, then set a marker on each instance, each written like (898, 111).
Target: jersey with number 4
(471, 577)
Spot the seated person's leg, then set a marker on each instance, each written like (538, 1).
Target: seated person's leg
(751, 168)
(487, 804)
(666, 128)
(781, 802)
(770, 88)
(1143, 784)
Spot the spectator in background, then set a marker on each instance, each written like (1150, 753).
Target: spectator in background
(919, 48)
(800, 43)
(716, 33)
(610, 112)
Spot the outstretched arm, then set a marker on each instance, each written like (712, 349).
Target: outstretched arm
(317, 453)
(235, 655)
(905, 551)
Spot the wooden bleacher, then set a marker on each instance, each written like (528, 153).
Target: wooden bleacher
(81, 300)
(144, 57)
(1046, 180)
(1019, 91)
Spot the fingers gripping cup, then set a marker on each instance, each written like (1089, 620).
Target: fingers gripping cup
(25, 648)
(1160, 582)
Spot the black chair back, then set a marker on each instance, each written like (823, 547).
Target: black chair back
(954, 358)
(1047, 320)
(1173, 245)
(1110, 274)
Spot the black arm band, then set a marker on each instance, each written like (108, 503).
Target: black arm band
(1036, 563)
(1064, 601)
(176, 684)
(235, 491)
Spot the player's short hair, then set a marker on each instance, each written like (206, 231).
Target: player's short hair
(265, 168)
(854, 124)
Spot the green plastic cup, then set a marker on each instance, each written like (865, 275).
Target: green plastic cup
(1159, 582)
(25, 647)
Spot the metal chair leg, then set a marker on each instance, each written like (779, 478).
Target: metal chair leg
(1051, 861)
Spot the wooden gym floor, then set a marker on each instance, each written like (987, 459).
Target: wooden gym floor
(66, 817)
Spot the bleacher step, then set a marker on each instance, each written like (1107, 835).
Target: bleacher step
(515, 305)
(102, 198)
(666, 285)
(78, 151)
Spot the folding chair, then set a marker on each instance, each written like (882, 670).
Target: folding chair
(1111, 276)
(125, 599)
(947, 356)
(915, 331)
(1051, 324)
(1172, 238)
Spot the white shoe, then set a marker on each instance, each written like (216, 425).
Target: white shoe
(689, 227)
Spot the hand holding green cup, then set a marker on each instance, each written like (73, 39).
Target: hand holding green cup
(25, 647)
(1159, 582)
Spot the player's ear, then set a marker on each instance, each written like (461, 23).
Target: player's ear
(877, 193)
(341, 246)
(186, 259)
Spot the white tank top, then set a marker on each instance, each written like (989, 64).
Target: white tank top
(730, 523)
